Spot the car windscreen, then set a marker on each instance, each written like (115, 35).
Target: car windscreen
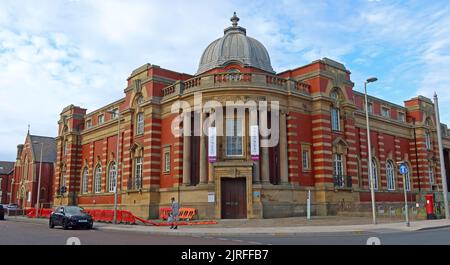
(73, 210)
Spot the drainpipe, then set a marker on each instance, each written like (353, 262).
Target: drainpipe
(417, 154)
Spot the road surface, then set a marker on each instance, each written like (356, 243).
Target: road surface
(18, 233)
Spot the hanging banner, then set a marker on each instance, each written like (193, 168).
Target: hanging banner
(254, 142)
(212, 143)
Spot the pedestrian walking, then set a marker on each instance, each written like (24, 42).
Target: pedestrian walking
(174, 214)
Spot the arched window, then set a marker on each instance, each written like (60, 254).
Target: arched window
(374, 174)
(390, 175)
(25, 169)
(112, 176)
(335, 120)
(98, 179)
(140, 123)
(85, 181)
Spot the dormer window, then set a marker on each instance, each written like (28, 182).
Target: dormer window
(385, 112)
(114, 113)
(401, 117)
(88, 124)
(101, 119)
(370, 109)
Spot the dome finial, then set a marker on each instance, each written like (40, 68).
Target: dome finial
(234, 20)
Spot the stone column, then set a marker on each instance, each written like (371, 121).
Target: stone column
(210, 173)
(264, 168)
(265, 165)
(203, 155)
(186, 160)
(256, 175)
(283, 149)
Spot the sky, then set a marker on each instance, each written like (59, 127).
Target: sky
(54, 53)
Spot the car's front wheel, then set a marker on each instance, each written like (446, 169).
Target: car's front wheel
(51, 224)
(65, 225)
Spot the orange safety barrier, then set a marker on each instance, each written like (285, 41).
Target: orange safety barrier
(187, 213)
(30, 212)
(126, 217)
(184, 213)
(164, 213)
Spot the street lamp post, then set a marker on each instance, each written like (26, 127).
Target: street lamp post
(441, 157)
(117, 167)
(39, 179)
(369, 148)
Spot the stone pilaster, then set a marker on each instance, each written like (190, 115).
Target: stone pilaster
(283, 150)
(203, 154)
(186, 160)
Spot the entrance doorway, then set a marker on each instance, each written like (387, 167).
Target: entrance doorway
(234, 198)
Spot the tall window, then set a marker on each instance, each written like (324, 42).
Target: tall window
(431, 174)
(66, 147)
(138, 173)
(167, 160)
(85, 181)
(401, 117)
(98, 179)
(428, 140)
(62, 180)
(101, 119)
(140, 123)
(370, 109)
(88, 124)
(306, 164)
(374, 175)
(112, 176)
(25, 169)
(338, 170)
(385, 112)
(390, 175)
(234, 138)
(407, 182)
(335, 122)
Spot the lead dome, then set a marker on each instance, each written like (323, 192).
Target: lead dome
(235, 46)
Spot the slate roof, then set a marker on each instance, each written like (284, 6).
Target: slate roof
(6, 167)
(49, 151)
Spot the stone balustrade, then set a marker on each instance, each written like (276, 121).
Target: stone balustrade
(235, 79)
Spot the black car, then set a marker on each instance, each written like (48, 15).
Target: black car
(70, 216)
(2, 212)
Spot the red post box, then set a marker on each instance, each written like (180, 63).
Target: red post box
(429, 205)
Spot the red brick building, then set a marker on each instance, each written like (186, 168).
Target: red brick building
(6, 175)
(322, 143)
(27, 170)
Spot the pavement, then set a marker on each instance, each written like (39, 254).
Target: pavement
(275, 227)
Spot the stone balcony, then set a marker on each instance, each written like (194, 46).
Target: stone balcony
(235, 80)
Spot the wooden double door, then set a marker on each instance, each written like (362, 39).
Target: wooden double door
(233, 198)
